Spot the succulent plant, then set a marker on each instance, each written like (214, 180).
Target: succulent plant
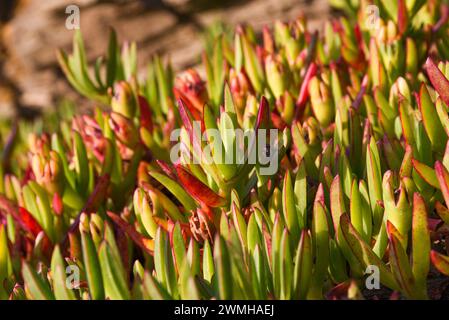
(93, 206)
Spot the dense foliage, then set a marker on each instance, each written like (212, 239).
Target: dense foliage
(362, 180)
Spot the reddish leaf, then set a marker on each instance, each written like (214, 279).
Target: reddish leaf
(57, 204)
(443, 179)
(277, 121)
(144, 243)
(402, 16)
(304, 91)
(98, 195)
(23, 218)
(444, 16)
(426, 172)
(198, 190)
(28, 220)
(359, 98)
(439, 81)
(263, 115)
(168, 170)
(185, 103)
(146, 119)
(441, 262)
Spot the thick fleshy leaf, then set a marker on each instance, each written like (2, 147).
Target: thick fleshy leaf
(438, 80)
(402, 270)
(167, 205)
(29, 222)
(153, 289)
(178, 246)
(304, 90)
(113, 273)
(289, 208)
(442, 212)
(163, 262)
(364, 253)
(5, 259)
(431, 121)
(303, 266)
(300, 195)
(427, 173)
(59, 276)
(420, 242)
(443, 179)
(172, 186)
(91, 262)
(286, 264)
(402, 17)
(223, 267)
(337, 202)
(441, 262)
(320, 238)
(198, 190)
(208, 262)
(36, 286)
(374, 177)
(144, 243)
(252, 64)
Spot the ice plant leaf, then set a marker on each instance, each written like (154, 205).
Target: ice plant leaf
(441, 262)
(286, 263)
(374, 177)
(420, 243)
(304, 90)
(438, 80)
(29, 222)
(178, 245)
(183, 197)
(199, 191)
(401, 269)
(442, 212)
(113, 273)
(443, 179)
(222, 267)
(91, 262)
(427, 173)
(431, 120)
(337, 202)
(252, 64)
(5, 259)
(208, 262)
(402, 17)
(163, 262)
(364, 253)
(153, 289)
(303, 266)
(36, 286)
(320, 237)
(144, 243)
(58, 269)
(289, 208)
(300, 190)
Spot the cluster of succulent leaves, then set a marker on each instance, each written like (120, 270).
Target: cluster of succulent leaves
(362, 179)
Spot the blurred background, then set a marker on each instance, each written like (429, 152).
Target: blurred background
(31, 31)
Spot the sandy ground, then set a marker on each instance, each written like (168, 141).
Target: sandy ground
(30, 72)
